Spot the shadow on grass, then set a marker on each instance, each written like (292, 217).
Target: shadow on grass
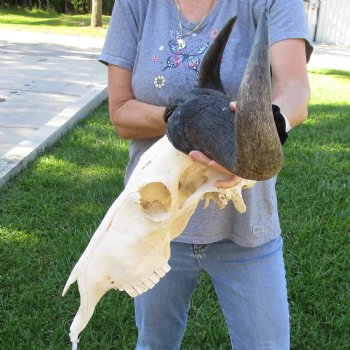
(334, 72)
(34, 13)
(77, 21)
(45, 18)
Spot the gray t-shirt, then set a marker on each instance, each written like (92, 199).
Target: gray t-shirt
(142, 37)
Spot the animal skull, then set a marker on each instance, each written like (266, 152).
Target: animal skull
(131, 247)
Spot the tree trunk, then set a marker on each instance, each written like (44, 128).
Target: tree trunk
(96, 13)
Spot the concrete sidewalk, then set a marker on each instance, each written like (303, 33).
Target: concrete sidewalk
(48, 83)
(331, 57)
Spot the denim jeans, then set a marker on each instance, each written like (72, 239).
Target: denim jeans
(249, 282)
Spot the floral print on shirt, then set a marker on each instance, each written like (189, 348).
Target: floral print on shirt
(159, 81)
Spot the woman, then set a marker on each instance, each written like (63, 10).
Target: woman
(153, 50)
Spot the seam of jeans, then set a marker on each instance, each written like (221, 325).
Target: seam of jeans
(197, 251)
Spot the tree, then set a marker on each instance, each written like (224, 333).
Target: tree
(96, 13)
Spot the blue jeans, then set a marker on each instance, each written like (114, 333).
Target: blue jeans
(249, 282)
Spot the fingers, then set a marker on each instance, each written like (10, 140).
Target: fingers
(199, 157)
(214, 165)
(230, 181)
(233, 106)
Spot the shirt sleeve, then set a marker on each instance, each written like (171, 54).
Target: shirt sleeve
(124, 32)
(288, 21)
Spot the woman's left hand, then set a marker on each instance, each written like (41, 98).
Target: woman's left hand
(231, 179)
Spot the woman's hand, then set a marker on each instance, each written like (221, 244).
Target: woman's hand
(231, 179)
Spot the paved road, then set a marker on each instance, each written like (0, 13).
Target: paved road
(49, 82)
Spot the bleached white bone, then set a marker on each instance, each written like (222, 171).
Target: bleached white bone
(131, 247)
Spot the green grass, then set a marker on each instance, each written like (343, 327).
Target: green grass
(50, 22)
(315, 211)
(49, 212)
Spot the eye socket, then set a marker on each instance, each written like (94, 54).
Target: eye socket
(191, 179)
(155, 201)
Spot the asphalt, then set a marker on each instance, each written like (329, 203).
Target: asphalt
(48, 83)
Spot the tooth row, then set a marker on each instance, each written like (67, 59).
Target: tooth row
(137, 288)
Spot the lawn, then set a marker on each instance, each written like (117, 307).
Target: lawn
(49, 212)
(50, 22)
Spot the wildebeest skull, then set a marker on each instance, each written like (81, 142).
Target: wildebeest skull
(131, 247)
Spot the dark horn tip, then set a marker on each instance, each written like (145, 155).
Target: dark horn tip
(229, 25)
(209, 72)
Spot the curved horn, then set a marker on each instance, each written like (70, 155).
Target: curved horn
(259, 152)
(209, 73)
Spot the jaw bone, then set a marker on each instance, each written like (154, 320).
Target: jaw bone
(131, 247)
